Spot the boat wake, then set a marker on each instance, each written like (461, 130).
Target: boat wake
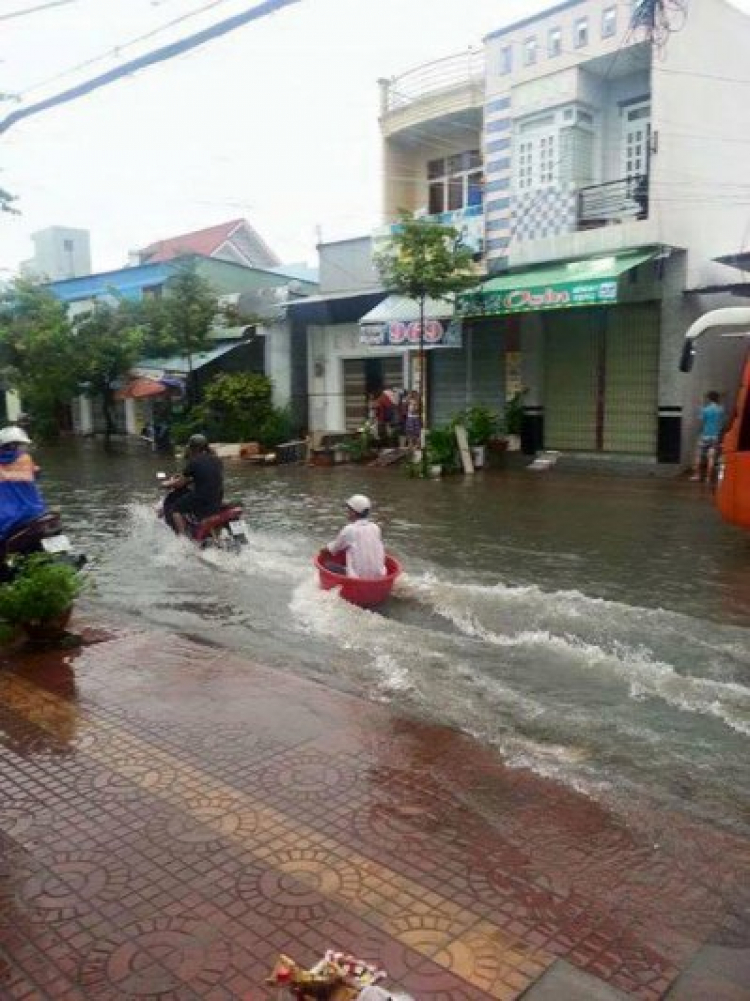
(597, 693)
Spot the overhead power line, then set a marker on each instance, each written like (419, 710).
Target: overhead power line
(35, 10)
(119, 49)
(149, 59)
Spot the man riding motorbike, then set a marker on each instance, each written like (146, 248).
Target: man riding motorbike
(20, 498)
(198, 491)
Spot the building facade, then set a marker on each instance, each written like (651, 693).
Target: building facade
(262, 345)
(60, 252)
(599, 147)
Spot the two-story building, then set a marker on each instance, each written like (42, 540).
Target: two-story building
(610, 137)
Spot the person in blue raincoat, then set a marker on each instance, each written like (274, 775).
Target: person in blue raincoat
(20, 498)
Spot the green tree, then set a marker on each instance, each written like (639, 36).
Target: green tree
(425, 259)
(37, 352)
(181, 320)
(108, 341)
(241, 404)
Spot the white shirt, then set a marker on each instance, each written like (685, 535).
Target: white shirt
(365, 553)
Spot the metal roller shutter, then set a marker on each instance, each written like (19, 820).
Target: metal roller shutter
(632, 372)
(355, 397)
(571, 366)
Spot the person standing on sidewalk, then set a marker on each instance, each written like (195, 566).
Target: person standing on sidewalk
(712, 419)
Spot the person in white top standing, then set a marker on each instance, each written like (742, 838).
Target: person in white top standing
(362, 542)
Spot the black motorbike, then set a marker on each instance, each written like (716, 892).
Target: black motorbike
(39, 535)
(225, 529)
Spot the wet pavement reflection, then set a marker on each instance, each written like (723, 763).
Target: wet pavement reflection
(172, 816)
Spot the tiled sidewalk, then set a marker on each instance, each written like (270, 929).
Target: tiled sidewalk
(172, 816)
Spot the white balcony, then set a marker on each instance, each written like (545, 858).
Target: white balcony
(433, 90)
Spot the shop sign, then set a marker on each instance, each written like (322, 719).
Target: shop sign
(401, 334)
(529, 299)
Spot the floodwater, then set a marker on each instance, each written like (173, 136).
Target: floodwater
(594, 628)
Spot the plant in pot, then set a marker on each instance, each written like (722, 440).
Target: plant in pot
(40, 598)
(482, 426)
(363, 446)
(513, 420)
(441, 451)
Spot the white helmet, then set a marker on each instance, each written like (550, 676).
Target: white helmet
(359, 504)
(14, 435)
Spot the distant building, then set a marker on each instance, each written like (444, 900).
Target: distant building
(262, 344)
(235, 241)
(60, 252)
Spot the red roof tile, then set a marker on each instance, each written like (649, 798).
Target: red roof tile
(201, 241)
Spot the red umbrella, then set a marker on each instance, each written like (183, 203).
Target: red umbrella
(141, 389)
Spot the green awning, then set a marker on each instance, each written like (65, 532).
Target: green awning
(593, 282)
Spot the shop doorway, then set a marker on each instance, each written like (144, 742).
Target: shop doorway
(362, 378)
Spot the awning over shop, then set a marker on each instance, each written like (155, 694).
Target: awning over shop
(395, 322)
(178, 365)
(593, 282)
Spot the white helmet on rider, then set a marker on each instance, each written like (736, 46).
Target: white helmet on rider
(13, 435)
(359, 504)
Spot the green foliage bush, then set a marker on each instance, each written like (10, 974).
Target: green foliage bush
(43, 590)
(237, 407)
(441, 449)
(482, 424)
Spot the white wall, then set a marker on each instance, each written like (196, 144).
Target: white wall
(701, 118)
(52, 261)
(327, 347)
(498, 84)
(278, 361)
(13, 405)
(347, 266)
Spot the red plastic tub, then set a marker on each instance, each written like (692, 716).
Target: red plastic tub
(365, 593)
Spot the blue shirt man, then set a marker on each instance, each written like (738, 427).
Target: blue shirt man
(712, 418)
(20, 499)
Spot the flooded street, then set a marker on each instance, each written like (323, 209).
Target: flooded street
(594, 628)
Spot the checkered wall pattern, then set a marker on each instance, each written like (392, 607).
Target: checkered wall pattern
(544, 212)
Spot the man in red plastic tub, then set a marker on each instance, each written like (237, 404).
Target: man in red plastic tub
(362, 542)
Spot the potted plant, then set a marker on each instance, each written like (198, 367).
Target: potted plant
(513, 419)
(40, 598)
(482, 425)
(441, 451)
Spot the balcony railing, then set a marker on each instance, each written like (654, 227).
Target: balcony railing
(613, 202)
(463, 69)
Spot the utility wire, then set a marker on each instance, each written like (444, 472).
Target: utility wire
(118, 49)
(35, 10)
(149, 59)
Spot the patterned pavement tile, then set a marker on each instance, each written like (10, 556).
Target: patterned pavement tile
(144, 854)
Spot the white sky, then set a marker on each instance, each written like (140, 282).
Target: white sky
(276, 122)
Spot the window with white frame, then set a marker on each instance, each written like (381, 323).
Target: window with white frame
(506, 60)
(554, 42)
(609, 22)
(581, 32)
(529, 51)
(536, 158)
(455, 182)
(636, 139)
